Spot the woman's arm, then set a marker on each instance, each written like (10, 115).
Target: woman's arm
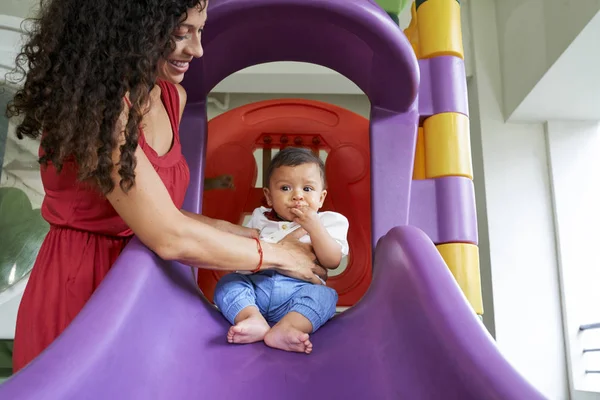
(148, 210)
(222, 225)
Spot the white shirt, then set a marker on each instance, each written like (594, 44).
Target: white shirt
(273, 231)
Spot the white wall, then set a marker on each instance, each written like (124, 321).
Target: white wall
(18, 8)
(574, 148)
(570, 89)
(526, 295)
(532, 35)
(479, 180)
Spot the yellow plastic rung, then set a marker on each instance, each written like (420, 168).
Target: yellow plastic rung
(447, 146)
(419, 168)
(412, 31)
(463, 261)
(440, 32)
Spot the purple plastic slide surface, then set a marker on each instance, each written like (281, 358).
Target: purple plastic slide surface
(148, 334)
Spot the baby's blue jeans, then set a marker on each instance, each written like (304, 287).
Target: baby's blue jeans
(275, 295)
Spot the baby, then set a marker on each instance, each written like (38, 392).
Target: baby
(295, 191)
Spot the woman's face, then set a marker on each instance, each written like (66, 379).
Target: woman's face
(187, 38)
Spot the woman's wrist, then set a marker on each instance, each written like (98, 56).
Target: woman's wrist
(260, 255)
(272, 256)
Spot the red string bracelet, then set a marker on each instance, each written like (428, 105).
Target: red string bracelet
(260, 253)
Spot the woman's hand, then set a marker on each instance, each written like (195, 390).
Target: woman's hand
(302, 262)
(239, 230)
(248, 232)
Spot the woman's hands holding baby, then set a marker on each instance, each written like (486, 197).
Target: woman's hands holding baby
(303, 264)
(239, 230)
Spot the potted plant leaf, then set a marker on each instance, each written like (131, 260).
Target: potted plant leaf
(22, 230)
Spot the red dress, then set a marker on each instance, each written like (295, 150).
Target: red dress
(86, 236)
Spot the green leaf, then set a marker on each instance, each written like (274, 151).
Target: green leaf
(22, 231)
(14, 207)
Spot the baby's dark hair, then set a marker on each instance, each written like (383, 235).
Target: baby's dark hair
(292, 157)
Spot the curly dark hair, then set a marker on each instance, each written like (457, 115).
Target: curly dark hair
(82, 57)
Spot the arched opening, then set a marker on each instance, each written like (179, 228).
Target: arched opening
(356, 39)
(290, 108)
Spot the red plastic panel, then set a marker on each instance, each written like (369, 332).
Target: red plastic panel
(234, 136)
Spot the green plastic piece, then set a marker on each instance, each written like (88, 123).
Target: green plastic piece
(394, 7)
(394, 18)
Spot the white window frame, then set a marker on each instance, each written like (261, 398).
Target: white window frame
(567, 144)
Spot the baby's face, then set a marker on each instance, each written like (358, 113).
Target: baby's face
(295, 187)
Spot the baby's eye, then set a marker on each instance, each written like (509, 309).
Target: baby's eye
(285, 188)
(308, 189)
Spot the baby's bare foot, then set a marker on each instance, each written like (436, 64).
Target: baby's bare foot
(288, 338)
(250, 330)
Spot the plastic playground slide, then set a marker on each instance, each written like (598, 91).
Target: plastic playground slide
(148, 334)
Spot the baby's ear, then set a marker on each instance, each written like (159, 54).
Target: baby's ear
(268, 197)
(322, 199)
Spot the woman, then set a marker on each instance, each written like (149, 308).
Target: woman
(102, 91)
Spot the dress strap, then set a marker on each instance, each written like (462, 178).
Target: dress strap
(170, 96)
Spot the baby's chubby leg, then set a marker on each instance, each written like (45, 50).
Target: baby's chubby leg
(236, 297)
(308, 309)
